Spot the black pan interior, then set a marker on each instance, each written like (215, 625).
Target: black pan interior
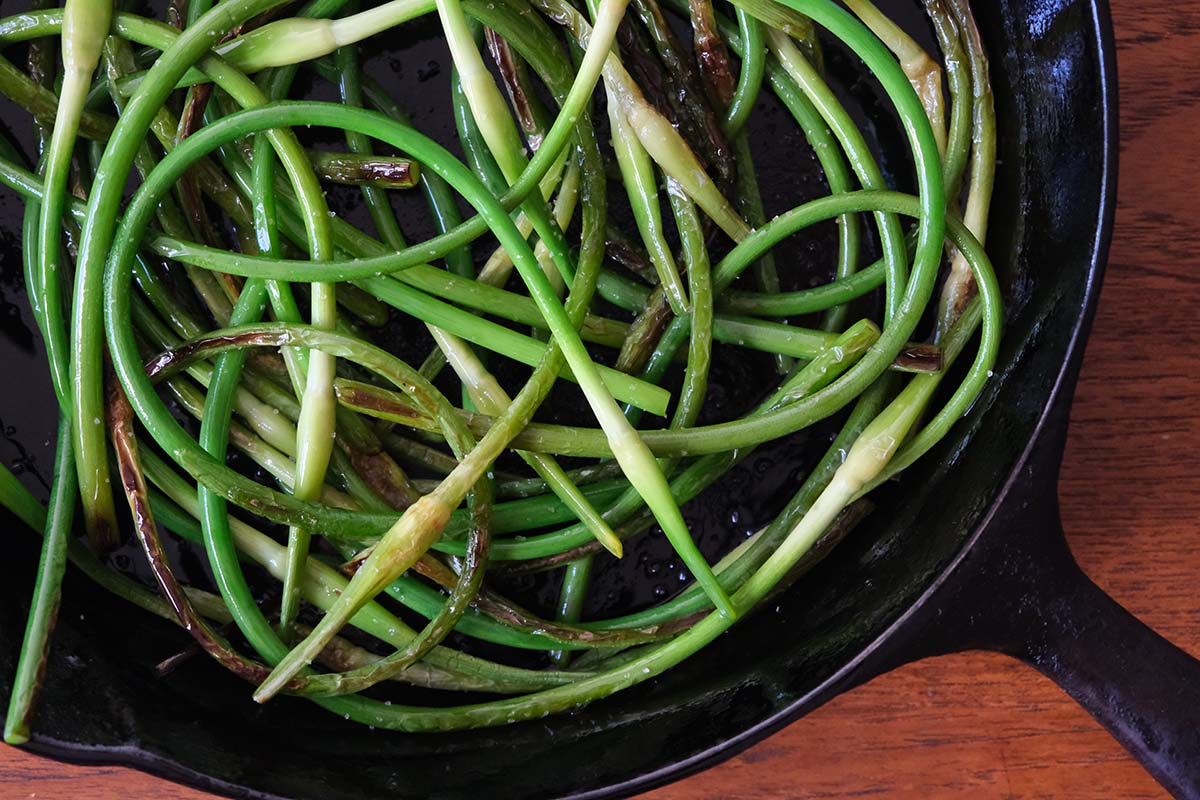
(102, 704)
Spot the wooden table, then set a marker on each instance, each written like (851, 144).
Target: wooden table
(982, 725)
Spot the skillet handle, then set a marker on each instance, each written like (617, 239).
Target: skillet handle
(1019, 591)
(1142, 688)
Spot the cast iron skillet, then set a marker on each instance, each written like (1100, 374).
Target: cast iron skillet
(966, 552)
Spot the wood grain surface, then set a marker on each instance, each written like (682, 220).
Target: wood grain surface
(979, 725)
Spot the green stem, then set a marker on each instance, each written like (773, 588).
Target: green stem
(47, 589)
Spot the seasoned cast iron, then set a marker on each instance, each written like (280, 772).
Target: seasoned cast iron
(966, 551)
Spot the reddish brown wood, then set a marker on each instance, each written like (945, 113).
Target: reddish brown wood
(981, 725)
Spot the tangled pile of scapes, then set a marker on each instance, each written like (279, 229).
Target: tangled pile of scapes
(225, 290)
